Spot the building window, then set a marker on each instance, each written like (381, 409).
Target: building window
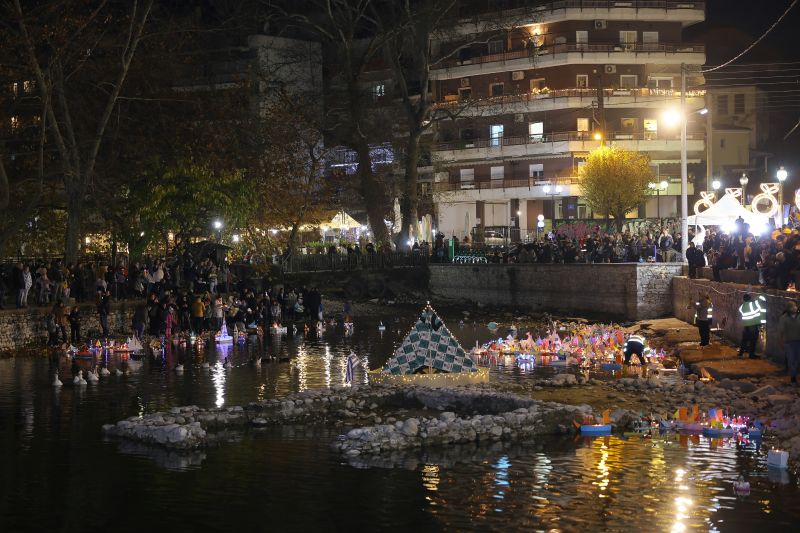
(628, 124)
(582, 81)
(738, 104)
(628, 81)
(722, 104)
(465, 93)
(15, 88)
(498, 172)
(536, 131)
(27, 86)
(627, 38)
(536, 170)
(650, 129)
(496, 46)
(722, 143)
(467, 174)
(537, 84)
(659, 83)
(583, 124)
(650, 40)
(466, 134)
(378, 91)
(14, 122)
(496, 89)
(495, 135)
(581, 39)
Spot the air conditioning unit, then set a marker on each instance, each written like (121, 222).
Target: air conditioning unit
(519, 117)
(600, 24)
(518, 75)
(465, 82)
(610, 69)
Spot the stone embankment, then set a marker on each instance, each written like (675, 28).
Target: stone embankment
(22, 328)
(489, 415)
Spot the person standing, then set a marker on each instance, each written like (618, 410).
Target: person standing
(696, 259)
(60, 314)
(703, 314)
(75, 326)
(103, 308)
(139, 320)
(198, 314)
(27, 283)
(753, 315)
(789, 326)
(18, 280)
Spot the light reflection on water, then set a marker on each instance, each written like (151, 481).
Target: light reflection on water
(55, 453)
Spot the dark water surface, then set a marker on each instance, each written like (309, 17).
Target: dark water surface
(58, 474)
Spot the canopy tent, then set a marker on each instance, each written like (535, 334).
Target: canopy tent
(725, 212)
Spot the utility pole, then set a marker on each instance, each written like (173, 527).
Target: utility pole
(601, 107)
(684, 169)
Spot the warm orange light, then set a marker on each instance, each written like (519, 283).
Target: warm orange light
(598, 136)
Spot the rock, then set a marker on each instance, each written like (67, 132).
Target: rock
(565, 379)
(763, 392)
(496, 431)
(410, 427)
(447, 416)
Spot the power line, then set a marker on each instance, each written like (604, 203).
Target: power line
(746, 65)
(743, 52)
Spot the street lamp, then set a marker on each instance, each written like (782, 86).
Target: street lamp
(539, 225)
(658, 187)
(218, 227)
(715, 185)
(743, 182)
(782, 175)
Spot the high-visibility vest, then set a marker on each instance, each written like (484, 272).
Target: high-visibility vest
(754, 312)
(635, 339)
(701, 312)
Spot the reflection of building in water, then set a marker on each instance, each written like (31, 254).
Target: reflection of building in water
(614, 482)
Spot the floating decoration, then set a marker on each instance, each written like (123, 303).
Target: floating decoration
(768, 193)
(222, 337)
(430, 355)
(778, 459)
(706, 199)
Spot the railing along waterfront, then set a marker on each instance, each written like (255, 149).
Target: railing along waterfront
(523, 6)
(345, 262)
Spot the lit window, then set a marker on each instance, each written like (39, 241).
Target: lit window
(27, 86)
(582, 81)
(14, 122)
(378, 91)
(536, 131)
(15, 88)
(498, 172)
(467, 174)
(495, 134)
(583, 124)
(536, 170)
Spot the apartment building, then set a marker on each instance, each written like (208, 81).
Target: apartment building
(535, 88)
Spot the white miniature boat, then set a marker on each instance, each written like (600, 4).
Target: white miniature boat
(134, 344)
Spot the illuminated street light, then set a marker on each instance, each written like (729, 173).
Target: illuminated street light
(598, 136)
(217, 224)
(743, 182)
(235, 238)
(715, 185)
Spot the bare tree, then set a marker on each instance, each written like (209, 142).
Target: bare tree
(78, 55)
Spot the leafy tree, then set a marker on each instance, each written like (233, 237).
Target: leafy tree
(614, 181)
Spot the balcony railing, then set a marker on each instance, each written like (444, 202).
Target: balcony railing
(557, 137)
(553, 94)
(558, 49)
(447, 186)
(560, 5)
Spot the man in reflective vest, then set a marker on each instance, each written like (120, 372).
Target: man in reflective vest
(754, 315)
(703, 314)
(634, 345)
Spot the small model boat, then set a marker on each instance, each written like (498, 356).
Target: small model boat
(596, 430)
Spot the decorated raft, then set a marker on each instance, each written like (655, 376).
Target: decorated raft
(431, 356)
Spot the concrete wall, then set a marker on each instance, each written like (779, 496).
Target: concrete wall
(727, 297)
(28, 327)
(627, 291)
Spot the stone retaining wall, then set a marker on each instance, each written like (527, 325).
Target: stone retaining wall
(21, 328)
(630, 291)
(726, 298)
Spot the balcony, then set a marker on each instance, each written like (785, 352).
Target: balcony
(572, 53)
(498, 189)
(568, 98)
(658, 146)
(686, 12)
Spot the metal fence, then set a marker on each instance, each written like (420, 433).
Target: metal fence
(345, 262)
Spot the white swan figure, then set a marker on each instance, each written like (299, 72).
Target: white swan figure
(179, 368)
(92, 377)
(104, 371)
(117, 372)
(78, 380)
(204, 364)
(56, 381)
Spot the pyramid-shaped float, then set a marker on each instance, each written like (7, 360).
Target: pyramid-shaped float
(430, 348)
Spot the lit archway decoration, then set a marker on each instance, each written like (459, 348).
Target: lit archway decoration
(736, 192)
(797, 198)
(706, 199)
(768, 194)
